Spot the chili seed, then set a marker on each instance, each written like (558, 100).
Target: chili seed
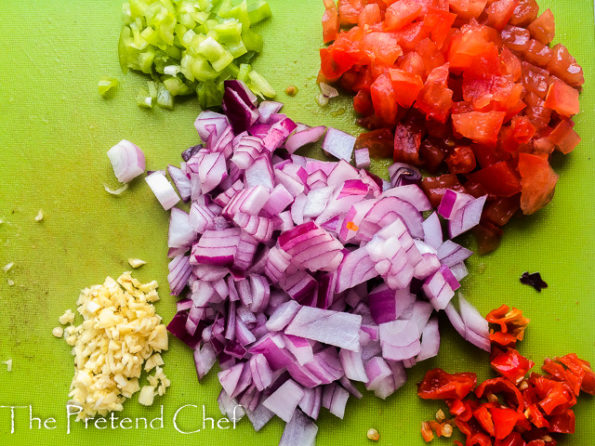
(440, 416)
(373, 434)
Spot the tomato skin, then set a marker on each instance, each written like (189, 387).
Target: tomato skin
(362, 103)
(349, 11)
(543, 28)
(500, 12)
(435, 98)
(407, 143)
(538, 182)
(370, 15)
(435, 187)
(330, 21)
(468, 9)
(400, 14)
(432, 155)
(384, 99)
(564, 137)
(461, 160)
(406, 86)
(480, 127)
(563, 99)
(516, 38)
(379, 142)
(499, 180)
(499, 211)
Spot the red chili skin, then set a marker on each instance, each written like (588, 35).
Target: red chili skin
(555, 396)
(505, 421)
(514, 439)
(439, 385)
(502, 386)
(479, 439)
(510, 364)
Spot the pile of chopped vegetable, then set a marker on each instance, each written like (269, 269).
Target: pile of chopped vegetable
(121, 335)
(469, 89)
(300, 276)
(190, 47)
(513, 409)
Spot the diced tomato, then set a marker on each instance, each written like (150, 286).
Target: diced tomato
(486, 155)
(468, 9)
(330, 21)
(370, 15)
(410, 34)
(461, 160)
(406, 86)
(436, 187)
(564, 137)
(565, 67)
(537, 112)
(435, 98)
(524, 13)
(543, 28)
(401, 13)
(538, 182)
(474, 51)
(475, 189)
(407, 142)
(516, 38)
(480, 127)
(563, 99)
(381, 47)
(520, 132)
(488, 237)
(430, 54)
(536, 80)
(432, 155)
(349, 11)
(340, 57)
(500, 12)
(384, 99)
(538, 53)
(439, 23)
(379, 142)
(500, 210)
(510, 64)
(498, 179)
(412, 63)
(362, 103)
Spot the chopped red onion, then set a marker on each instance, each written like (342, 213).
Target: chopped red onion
(128, 161)
(362, 158)
(163, 190)
(276, 254)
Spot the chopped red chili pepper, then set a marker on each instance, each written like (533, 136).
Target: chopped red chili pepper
(510, 321)
(510, 392)
(514, 439)
(535, 416)
(510, 364)
(479, 439)
(510, 410)
(426, 432)
(484, 417)
(504, 420)
(563, 423)
(439, 385)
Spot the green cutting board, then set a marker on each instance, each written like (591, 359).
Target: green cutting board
(54, 132)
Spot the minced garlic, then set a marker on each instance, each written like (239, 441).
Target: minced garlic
(67, 317)
(120, 331)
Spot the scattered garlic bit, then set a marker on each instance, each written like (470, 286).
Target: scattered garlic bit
(136, 263)
(67, 317)
(146, 395)
(39, 215)
(120, 331)
(440, 416)
(58, 332)
(153, 362)
(8, 267)
(373, 434)
(117, 191)
(10, 282)
(8, 364)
